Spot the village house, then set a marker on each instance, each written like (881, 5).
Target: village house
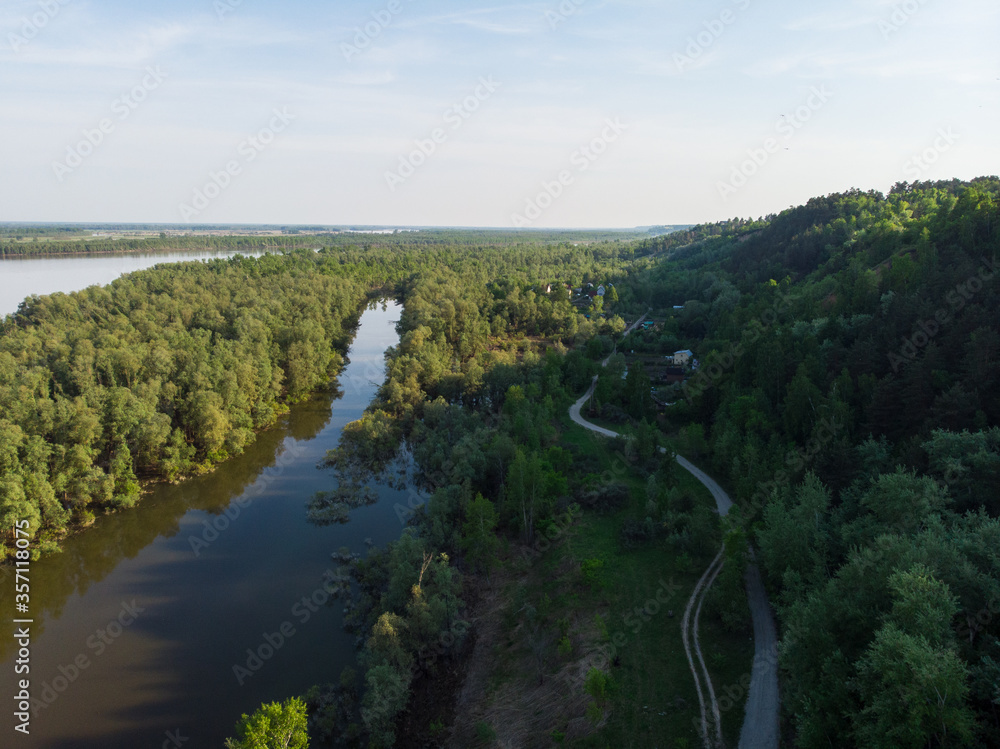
(683, 358)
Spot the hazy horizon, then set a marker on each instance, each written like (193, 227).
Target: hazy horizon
(565, 114)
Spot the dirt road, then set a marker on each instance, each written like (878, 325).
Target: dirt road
(702, 681)
(760, 722)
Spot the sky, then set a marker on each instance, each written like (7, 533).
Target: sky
(569, 113)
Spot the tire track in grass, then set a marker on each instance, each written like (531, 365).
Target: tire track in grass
(717, 717)
(686, 636)
(760, 723)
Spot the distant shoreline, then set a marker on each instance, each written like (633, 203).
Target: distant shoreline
(80, 253)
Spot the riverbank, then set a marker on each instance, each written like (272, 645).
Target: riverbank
(49, 541)
(257, 250)
(215, 563)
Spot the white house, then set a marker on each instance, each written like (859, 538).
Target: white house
(683, 357)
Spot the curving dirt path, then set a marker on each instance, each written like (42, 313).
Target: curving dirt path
(574, 413)
(574, 410)
(716, 717)
(722, 500)
(634, 325)
(760, 721)
(689, 631)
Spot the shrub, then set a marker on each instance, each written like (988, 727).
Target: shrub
(614, 414)
(636, 532)
(597, 684)
(484, 732)
(273, 724)
(591, 569)
(607, 497)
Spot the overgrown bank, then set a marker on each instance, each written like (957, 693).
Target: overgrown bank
(162, 374)
(483, 417)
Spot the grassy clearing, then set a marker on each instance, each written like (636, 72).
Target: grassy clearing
(655, 702)
(554, 622)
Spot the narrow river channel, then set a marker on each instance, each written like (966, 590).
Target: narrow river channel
(141, 622)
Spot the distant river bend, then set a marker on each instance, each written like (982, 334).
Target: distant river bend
(22, 276)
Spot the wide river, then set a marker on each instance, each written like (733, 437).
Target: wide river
(142, 625)
(20, 277)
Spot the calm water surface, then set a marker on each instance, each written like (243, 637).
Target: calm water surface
(20, 277)
(190, 617)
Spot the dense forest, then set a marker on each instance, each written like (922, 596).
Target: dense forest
(851, 358)
(846, 393)
(168, 371)
(159, 375)
(476, 390)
